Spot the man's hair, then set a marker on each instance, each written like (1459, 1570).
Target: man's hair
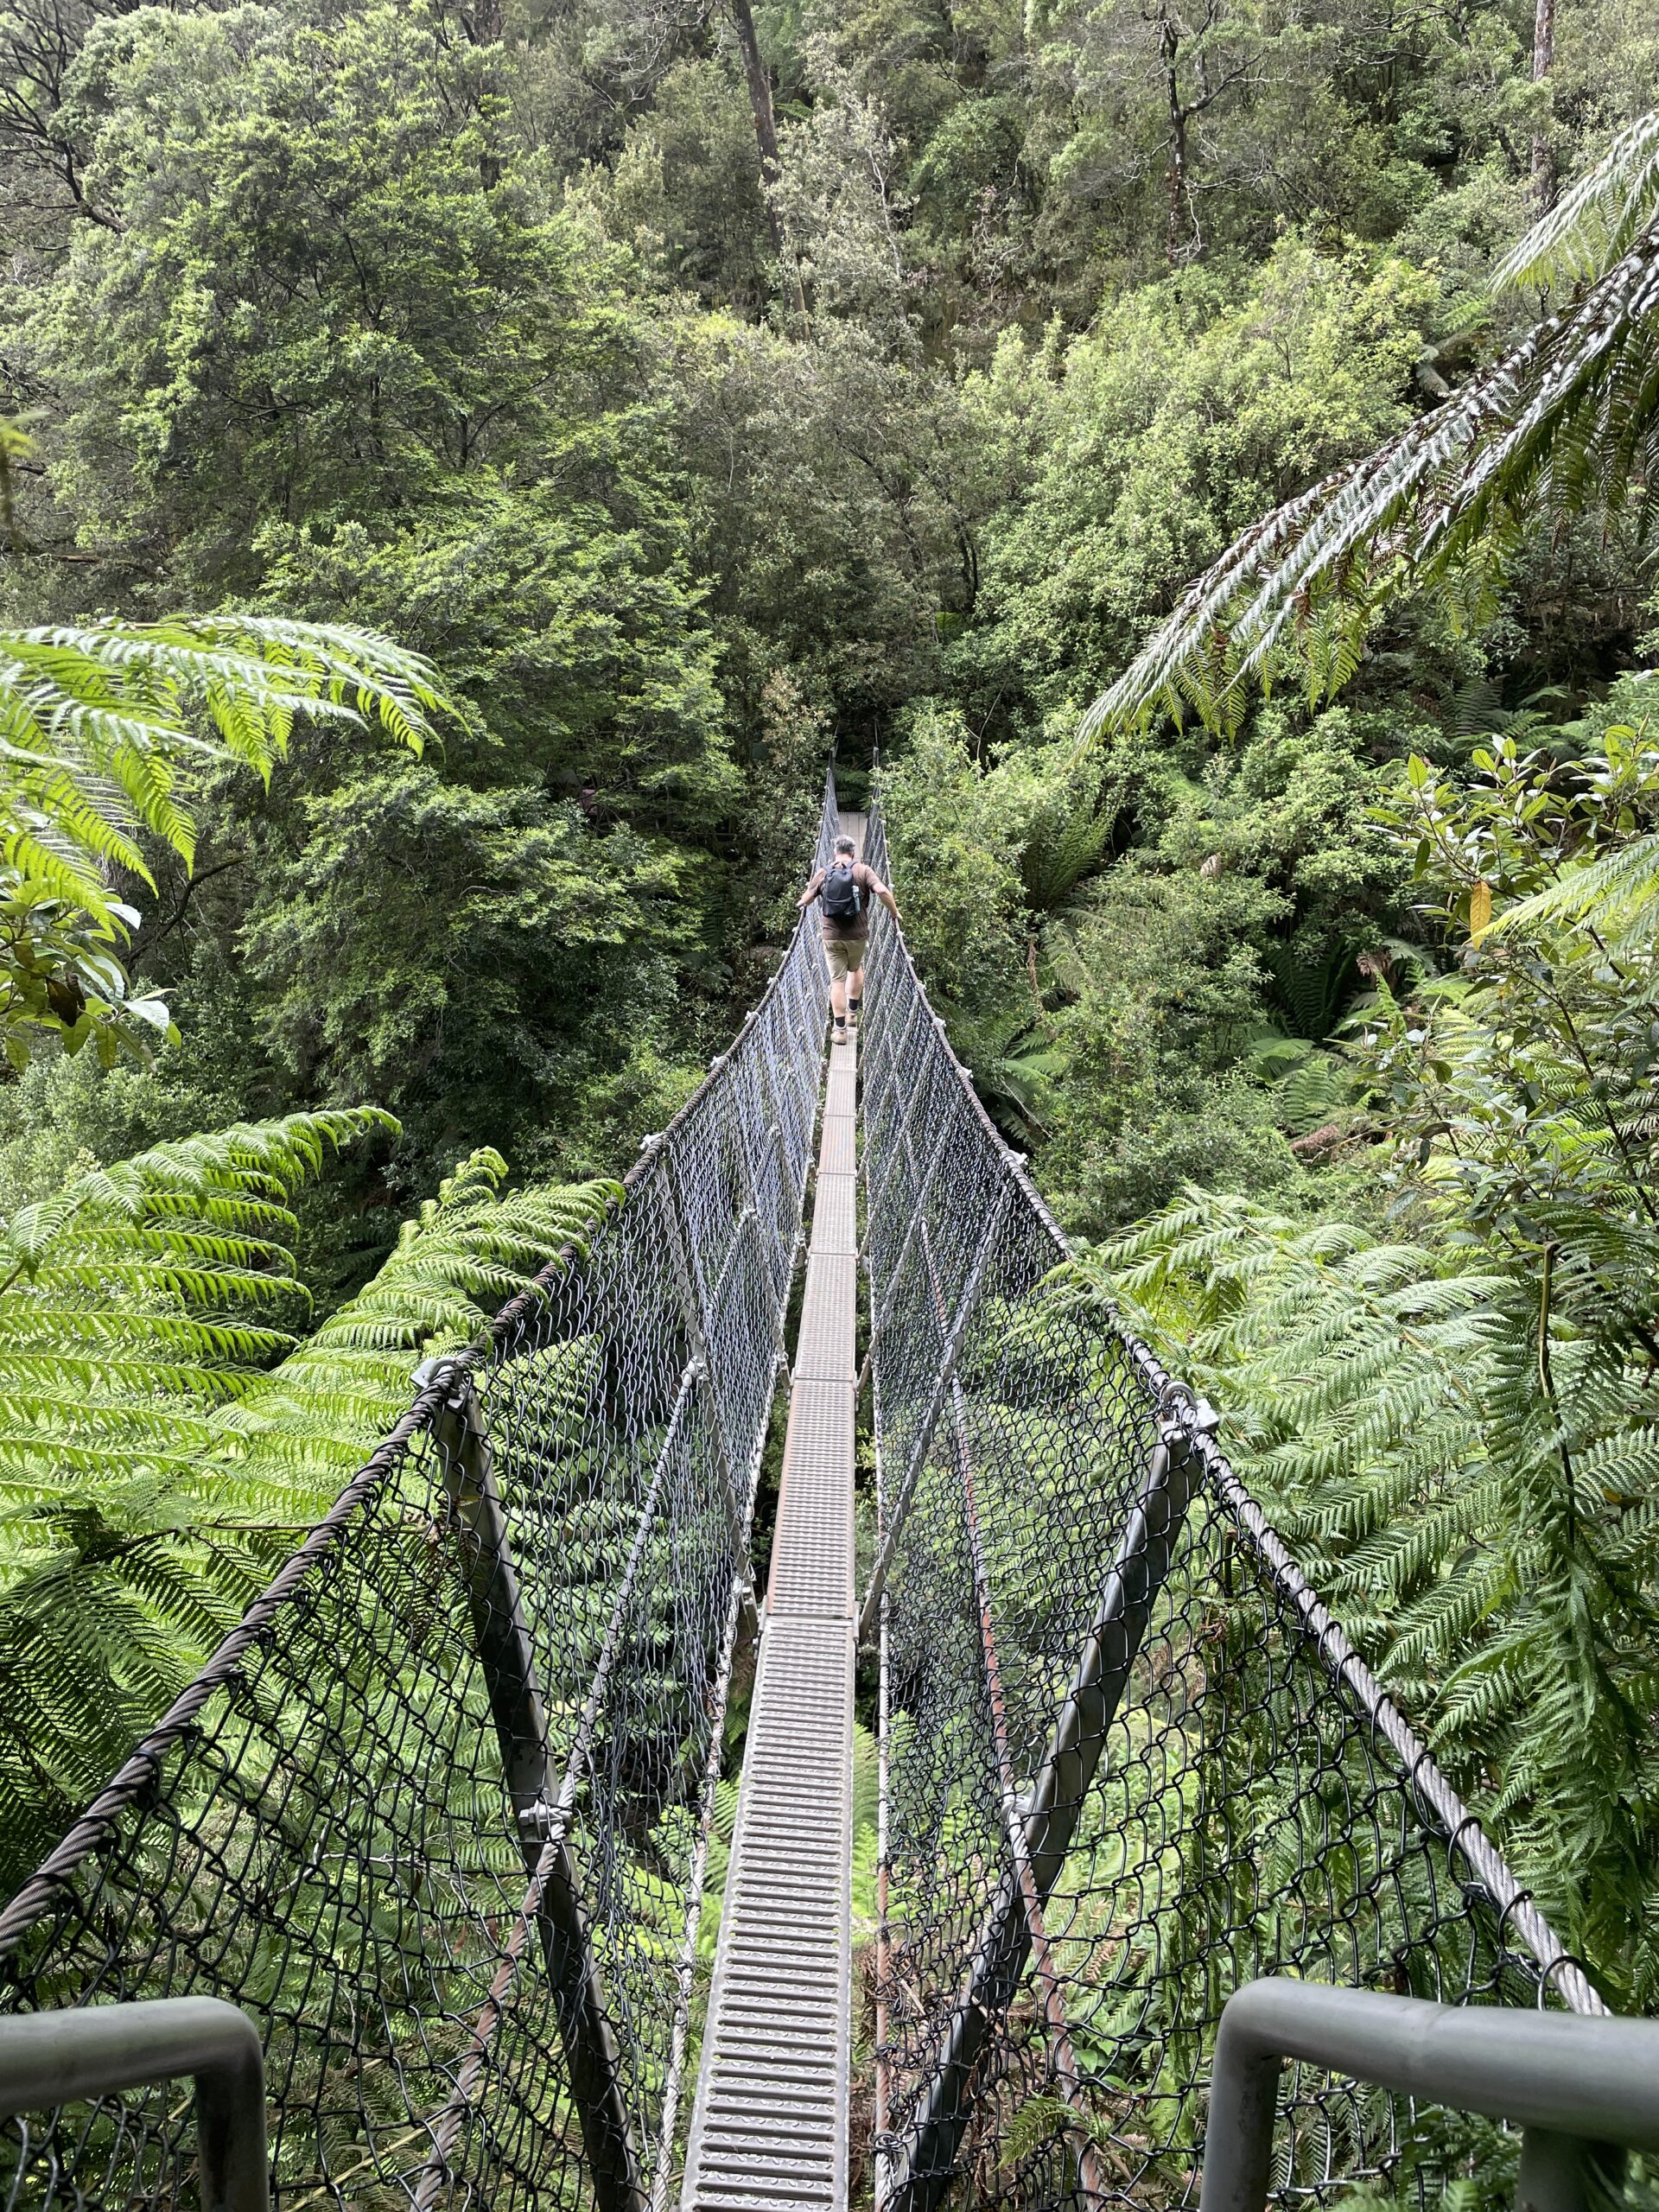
(845, 845)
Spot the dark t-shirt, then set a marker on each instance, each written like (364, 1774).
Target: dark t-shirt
(855, 931)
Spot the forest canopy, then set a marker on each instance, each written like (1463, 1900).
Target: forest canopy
(1198, 457)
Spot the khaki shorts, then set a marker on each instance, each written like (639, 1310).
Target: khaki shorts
(845, 956)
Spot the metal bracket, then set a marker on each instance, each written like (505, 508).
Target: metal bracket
(1569, 2081)
(48, 2059)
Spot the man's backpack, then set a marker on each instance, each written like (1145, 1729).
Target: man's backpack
(842, 900)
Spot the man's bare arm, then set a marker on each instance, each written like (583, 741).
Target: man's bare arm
(884, 895)
(810, 893)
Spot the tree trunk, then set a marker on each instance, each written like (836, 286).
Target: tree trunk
(1180, 237)
(483, 24)
(1179, 229)
(765, 136)
(766, 123)
(1543, 61)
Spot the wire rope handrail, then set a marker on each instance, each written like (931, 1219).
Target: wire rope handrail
(1127, 1759)
(437, 1813)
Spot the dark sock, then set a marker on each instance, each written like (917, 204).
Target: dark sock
(853, 1005)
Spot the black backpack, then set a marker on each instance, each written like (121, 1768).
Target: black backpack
(842, 901)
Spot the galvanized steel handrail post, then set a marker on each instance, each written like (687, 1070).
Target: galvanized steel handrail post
(1143, 1558)
(51, 2059)
(1062, 2059)
(1568, 2082)
(506, 1658)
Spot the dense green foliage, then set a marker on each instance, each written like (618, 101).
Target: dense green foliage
(1450, 1396)
(482, 328)
(95, 721)
(156, 1464)
(683, 431)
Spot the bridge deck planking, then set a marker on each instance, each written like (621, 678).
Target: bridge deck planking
(769, 2126)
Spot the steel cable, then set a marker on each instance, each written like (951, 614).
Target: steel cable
(436, 1813)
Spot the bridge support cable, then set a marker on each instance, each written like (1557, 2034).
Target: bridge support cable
(1127, 1761)
(770, 2125)
(435, 1814)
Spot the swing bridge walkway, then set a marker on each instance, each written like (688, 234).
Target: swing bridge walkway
(523, 1848)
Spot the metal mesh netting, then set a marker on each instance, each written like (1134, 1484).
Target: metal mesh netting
(437, 1813)
(1127, 1760)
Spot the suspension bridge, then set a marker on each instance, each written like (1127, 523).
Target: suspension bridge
(1047, 1749)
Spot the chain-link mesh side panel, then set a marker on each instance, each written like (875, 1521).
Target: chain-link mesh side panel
(437, 1811)
(1127, 1760)
(327, 1840)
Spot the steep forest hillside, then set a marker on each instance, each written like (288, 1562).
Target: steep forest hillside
(685, 387)
(694, 389)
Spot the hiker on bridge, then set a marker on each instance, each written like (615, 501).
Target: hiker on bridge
(846, 889)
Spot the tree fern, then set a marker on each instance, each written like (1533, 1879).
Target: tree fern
(1385, 1397)
(1013, 1065)
(303, 1431)
(1568, 419)
(1454, 1414)
(95, 721)
(1590, 226)
(164, 1433)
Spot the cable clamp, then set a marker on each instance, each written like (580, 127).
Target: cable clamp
(1186, 1423)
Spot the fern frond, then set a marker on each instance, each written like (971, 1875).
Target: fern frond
(1595, 221)
(146, 1434)
(1562, 422)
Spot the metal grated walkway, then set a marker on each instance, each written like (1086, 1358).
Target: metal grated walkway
(769, 2128)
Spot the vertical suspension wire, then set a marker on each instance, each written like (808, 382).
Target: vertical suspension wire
(1126, 1759)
